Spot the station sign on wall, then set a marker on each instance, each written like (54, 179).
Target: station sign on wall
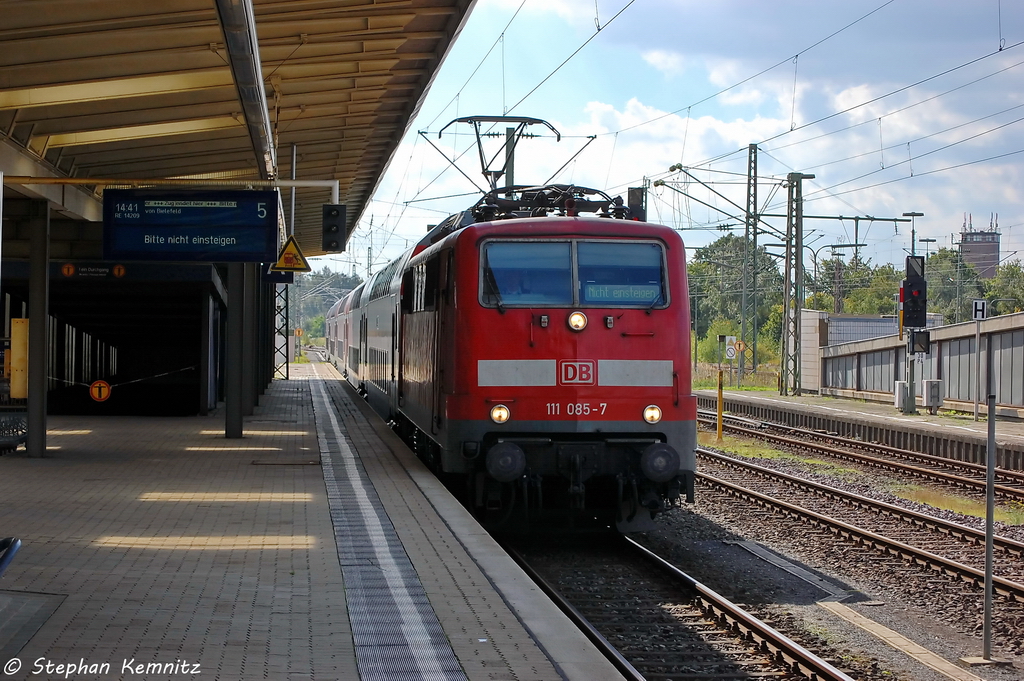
(188, 226)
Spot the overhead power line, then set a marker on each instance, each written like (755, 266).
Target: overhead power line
(902, 109)
(787, 60)
(575, 52)
(893, 92)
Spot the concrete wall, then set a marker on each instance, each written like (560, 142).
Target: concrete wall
(867, 369)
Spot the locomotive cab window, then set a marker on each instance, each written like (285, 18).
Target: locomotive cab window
(527, 273)
(616, 274)
(564, 273)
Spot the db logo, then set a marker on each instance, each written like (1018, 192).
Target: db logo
(580, 372)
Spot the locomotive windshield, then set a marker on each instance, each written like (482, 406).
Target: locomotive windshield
(563, 273)
(528, 273)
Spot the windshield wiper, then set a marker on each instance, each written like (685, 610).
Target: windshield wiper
(489, 273)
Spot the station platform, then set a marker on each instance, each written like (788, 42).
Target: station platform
(948, 433)
(316, 547)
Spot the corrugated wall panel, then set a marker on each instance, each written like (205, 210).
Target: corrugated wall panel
(1016, 362)
(951, 360)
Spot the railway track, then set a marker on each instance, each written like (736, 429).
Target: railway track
(943, 546)
(959, 474)
(654, 621)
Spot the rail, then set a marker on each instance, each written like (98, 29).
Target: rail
(602, 644)
(784, 649)
(777, 647)
(968, 534)
(1003, 587)
(1012, 485)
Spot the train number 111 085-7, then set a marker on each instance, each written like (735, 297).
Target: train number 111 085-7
(576, 408)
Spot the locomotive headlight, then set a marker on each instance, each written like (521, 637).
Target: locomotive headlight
(577, 321)
(500, 413)
(652, 414)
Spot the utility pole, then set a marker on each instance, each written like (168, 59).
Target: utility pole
(913, 230)
(749, 264)
(793, 301)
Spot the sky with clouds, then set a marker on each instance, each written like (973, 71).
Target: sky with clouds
(894, 106)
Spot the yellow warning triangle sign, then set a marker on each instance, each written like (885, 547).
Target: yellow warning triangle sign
(291, 259)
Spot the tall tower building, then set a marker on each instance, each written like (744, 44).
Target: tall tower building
(981, 248)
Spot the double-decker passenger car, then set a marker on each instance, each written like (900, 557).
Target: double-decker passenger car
(541, 361)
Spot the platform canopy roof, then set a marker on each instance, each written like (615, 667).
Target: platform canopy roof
(215, 89)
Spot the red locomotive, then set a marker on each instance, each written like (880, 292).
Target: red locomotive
(539, 358)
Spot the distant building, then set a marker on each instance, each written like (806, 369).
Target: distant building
(981, 248)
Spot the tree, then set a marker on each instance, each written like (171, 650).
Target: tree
(770, 337)
(952, 285)
(1006, 289)
(838, 279)
(715, 275)
(878, 295)
(820, 301)
(708, 349)
(315, 327)
(314, 293)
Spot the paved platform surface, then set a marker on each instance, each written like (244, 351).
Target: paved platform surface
(158, 542)
(1006, 429)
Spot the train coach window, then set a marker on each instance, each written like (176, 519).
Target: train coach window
(620, 274)
(527, 273)
(419, 286)
(431, 282)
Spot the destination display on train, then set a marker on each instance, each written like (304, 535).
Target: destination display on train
(208, 226)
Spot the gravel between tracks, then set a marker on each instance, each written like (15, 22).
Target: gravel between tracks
(698, 538)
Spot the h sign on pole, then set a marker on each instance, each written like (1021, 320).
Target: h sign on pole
(980, 310)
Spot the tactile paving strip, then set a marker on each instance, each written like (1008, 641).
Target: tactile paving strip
(396, 632)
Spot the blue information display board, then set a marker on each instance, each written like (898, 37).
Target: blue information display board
(186, 226)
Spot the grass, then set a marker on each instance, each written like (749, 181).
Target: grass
(1010, 514)
(754, 449)
(706, 378)
(704, 384)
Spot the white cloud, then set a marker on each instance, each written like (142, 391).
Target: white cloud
(668, 62)
(618, 84)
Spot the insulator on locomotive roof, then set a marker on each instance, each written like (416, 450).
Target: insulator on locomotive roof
(486, 212)
(618, 209)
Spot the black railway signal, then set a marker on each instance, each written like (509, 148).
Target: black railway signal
(915, 302)
(333, 240)
(915, 294)
(920, 341)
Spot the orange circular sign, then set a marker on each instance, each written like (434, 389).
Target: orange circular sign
(68, 270)
(99, 391)
(119, 271)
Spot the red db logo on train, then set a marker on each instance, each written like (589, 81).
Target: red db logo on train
(578, 372)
